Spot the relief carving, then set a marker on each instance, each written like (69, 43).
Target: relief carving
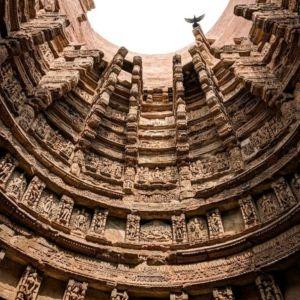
(103, 166)
(210, 166)
(263, 136)
(268, 206)
(80, 220)
(29, 285)
(26, 117)
(78, 163)
(116, 295)
(215, 224)
(7, 166)
(284, 194)
(179, 229)
(99, 222)
(268, 288)
(75, 290)
(197, 230)
(296, 185)
(12, 88)
(129, 177)
(133, 228)
(156, 232)
(66, 210)
(158, 198)
(157, 175)
(16, 186)
(179, 296)
(223, 294)
(249, 212)
(33, 192)
(48, 206)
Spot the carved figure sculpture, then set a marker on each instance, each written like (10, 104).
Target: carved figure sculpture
(99, 222)
(116, 295)
(223, 294)
(179, 228)
(7, 166)
(197, 230)
(66, 210)
(179, 296)
(249, 212)
(268, 288)
(16, 186)
(284, 194)
(215, 223)
(33, 192)
(75, 290)
(29, 285)
(133, 228)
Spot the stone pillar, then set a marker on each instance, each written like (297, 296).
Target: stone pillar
(268, 288)
(75, 290)
(29, 284)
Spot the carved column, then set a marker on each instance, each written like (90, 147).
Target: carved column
(215, 224)
(133, 228)
(223, 294)
(75, 290)
(179, 229)
(268, 288)
(117, 295)
(179, 296)
(214, 98)
(182, 145)
(132, 121)
(105, 89)
(29, 284)
(249, 212)
(284, 194)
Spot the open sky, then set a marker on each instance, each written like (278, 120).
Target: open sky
(152, 26)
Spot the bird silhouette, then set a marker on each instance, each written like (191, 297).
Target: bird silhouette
(195, 21)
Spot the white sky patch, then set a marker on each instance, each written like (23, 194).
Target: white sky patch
(152, 26)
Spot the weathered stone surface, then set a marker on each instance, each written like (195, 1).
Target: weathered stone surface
(116, 187)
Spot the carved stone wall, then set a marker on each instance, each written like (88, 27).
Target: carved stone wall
(111, 189)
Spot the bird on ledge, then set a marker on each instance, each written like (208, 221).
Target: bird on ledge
(195, 21)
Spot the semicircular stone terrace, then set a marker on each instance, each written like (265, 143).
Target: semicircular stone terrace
(113, 186)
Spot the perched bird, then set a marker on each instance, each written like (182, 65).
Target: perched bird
(195, 20)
